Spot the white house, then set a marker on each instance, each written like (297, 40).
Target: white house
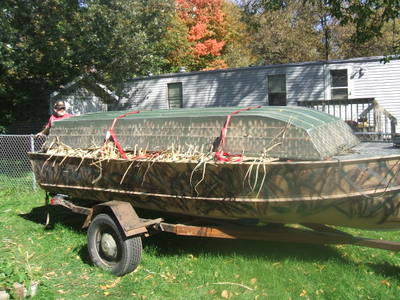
(82, 96)
(338, 82)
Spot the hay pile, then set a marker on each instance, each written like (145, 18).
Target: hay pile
(255, 175)
(173, 153)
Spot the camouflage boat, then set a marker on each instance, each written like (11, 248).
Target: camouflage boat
(294, 165)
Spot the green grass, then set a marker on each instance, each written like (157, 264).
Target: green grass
(182, 267)
(15, 173)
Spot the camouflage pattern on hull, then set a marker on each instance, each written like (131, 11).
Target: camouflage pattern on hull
(363, 193)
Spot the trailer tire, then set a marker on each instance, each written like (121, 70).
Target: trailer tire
(109, 249)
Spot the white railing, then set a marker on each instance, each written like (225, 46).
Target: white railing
(365, 116)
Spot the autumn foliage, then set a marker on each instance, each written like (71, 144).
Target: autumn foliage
(206, 29)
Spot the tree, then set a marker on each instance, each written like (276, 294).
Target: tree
(34, 55)
(45, 43)
(120, 39)
(175, 46)
(287, 35)
(237, 51)
(368, 17)
(386, 44)
(206, 31)
(344, 39)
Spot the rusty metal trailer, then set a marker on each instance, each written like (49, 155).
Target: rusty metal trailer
(115, 232)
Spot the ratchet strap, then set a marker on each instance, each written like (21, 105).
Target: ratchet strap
(111, 133)
(220, 154)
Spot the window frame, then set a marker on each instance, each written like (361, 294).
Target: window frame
(270, 94)
(180, 84)
(331, 86)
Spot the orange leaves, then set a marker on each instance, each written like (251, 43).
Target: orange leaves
(206, 30)
(197, 32)
(209, 47)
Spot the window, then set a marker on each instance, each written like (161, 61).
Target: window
(277, 89)
(175, 95)
(339, 84)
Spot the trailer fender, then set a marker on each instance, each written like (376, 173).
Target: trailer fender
(124, 214)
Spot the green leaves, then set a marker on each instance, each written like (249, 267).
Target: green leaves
(369, 17)
(46, 43)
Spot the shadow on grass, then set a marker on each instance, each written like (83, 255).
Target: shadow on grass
(84, 255)
(58, 215)
(166, 244)
(63, 216)
(385, 269)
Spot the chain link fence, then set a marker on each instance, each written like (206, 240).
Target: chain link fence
(15, 168)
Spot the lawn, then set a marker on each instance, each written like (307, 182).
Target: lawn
(175, 267)
(15, 172)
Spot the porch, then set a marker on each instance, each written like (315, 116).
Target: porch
(369, 121)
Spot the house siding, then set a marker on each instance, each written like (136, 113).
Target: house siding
(248, 86)
(78, 99)
(242, 87)
(305, 83)
(367, 78)
(382, 82)
(82, 101)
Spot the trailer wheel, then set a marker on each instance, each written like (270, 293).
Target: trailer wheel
(109, 249)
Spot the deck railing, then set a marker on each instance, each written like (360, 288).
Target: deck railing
(365, 116)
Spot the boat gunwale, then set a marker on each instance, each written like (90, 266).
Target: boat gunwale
(216, 163)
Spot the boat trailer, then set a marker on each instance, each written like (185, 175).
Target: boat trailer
(115, 231)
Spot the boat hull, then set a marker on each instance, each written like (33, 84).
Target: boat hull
(363, 193)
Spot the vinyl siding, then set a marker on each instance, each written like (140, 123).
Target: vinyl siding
(80, 101)
(382, 82)
(248, 86)
(305, 83)
(230, 88)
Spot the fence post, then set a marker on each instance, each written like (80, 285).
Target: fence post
(32, 138)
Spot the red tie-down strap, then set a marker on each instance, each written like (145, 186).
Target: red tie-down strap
(220, 154)
(111, 133)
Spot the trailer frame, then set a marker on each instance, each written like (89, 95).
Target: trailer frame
(131, 226)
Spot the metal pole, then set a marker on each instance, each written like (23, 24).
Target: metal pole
(32, 138)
